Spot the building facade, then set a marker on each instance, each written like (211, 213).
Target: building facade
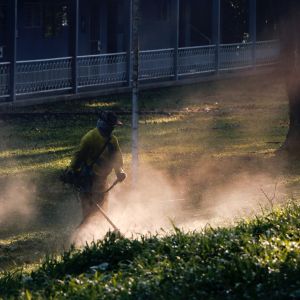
(71, 46)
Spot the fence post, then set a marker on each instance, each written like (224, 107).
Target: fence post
(176, 44)
(12, 15)
(252, 29)
(216, 31)
(74, 43)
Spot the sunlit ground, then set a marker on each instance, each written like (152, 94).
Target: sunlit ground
(209, 134)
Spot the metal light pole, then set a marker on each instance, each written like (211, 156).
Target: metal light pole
(74, 42)
(135, 4)
(176, 44)
(216, 31)
(252, 29)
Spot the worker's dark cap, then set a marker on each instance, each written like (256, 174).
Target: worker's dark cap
(110, 118)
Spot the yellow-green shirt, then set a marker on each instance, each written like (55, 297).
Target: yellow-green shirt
(89, 150)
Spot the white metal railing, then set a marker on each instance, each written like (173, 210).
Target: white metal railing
(235, 56)
(4, 79)
(156, 64)
(54, 75)
(43, 75)
(195, 60)
(267, 52)
(102, 69)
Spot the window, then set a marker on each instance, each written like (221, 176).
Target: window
(266, 22)
(56, 17)
(235, 21)
(162, 10)
(165, 10)
(33, 15)
(2, 16)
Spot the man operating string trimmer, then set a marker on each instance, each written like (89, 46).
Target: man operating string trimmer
(98, 154)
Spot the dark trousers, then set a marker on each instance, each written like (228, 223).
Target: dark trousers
(90, 199)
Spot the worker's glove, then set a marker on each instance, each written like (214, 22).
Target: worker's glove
(121, 176)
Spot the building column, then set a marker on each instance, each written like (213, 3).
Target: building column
(12, 16)
(252, 29)
(129, 43)
(74, 43)
(187, 24)
(176, 42)
(216, 31)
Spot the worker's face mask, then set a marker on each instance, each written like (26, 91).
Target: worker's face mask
(104, 128)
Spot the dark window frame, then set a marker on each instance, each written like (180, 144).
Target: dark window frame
(35, 15)
(162, 11)
(3, 15)
(56, 18)
(165, 10)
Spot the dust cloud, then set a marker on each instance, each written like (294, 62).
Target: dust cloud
(243, 195)
(148, 208)
(16, 205)
(17, 190)
(158, 203)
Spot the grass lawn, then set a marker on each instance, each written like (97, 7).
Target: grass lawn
(211, 156)
(256, 259)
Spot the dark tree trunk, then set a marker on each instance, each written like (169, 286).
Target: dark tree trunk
(289, 22)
